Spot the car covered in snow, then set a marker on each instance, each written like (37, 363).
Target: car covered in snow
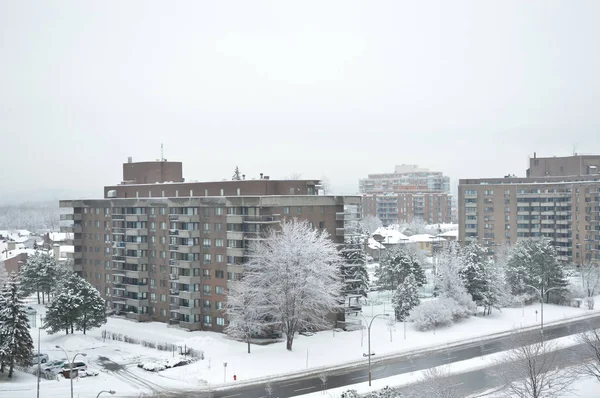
(54, 366)
(39, 358)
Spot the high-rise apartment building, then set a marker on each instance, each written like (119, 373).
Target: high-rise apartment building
(162, 249)
(563, 208)
(408, 193)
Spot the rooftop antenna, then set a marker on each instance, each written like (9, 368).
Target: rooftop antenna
(162, 158)
(574, 149)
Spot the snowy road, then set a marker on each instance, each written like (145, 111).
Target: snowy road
(294, 386)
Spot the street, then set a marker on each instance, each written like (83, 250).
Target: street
(403, 363)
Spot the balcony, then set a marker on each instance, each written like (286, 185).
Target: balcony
(76, 254)
(119, 299)
(136, 232)
(235, 251)
(235, 235)
(189, 280)
(340, 216)
(185, 264)
(188, 249)
(134, 260)
(137, 302)
(190, 325)
(174, 307)
(136, 217)
(118, 259)
(189, 233)
(234, 219)
(136, 245)
(265, 219)
(135, 274)
(137, 288)
(187, 295)
(118, 286)
(118, 231)
(189, 310)
(118, 217)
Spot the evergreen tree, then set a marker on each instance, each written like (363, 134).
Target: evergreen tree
(473, 261)
(16, 347)
(236, 174)
(397, 265)
(65, 310)
(49, 273)
(406, 298)
(29, 276)
(354, 268)
(92, 312)
(534, 262)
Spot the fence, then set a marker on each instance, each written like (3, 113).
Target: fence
(173, 348)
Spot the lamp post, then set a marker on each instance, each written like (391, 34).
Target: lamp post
(111, 392)
(71, 365)
(541, 293)
(369, 341)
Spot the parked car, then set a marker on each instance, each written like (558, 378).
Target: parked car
(76, 366)
(39, 358)
(54, 366)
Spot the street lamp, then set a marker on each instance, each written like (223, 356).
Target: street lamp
(71, 365)
(369, 341)
(541, 293)
(111, 392)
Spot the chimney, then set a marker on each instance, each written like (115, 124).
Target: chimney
(534, 155)
(56, 251)
(129, 159)
(243, 176)
(261, 176)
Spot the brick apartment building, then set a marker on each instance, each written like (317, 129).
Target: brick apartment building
(159, 248)
(558, 200)
(409, 192)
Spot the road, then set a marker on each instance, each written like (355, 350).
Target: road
(403, 363)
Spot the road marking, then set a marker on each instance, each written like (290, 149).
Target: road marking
(290, 384)
(305, 388)
(359, 377)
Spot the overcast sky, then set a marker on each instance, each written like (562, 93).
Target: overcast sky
(325, 88)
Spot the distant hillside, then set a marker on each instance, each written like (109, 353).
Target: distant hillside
(33, 216)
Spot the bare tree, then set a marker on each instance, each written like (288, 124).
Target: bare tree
(590, 339)
(435, 384)
(369, 224)
(590, 277)
(532, 369)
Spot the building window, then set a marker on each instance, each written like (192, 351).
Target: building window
(206, 289)
(222, 192)
(206, 227)
(206, 242)
(298, 210)
(321, 224)
(153, 296)
(219, 243)
(220, 321)
(163, 298)
(218, 227)
(219, 258)
(207, 320)
(163, 211)
(286, 210)
(207, 258)
(219, 305)
(219, 274)
(218, 211)
(219, 290)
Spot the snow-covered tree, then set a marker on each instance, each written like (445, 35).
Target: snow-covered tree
(353, 268)
(590, 278)
(433, 314)
(236, 174)
(245, 312)
(16, 344)
(534, 262)
(406, 297)
(473, 260)
(396, 265)
(39, 275)
(450, 285)
(65, 309)
(369, 224)
(417, 226)
(296, 271)
(92, 312)
(3, 274)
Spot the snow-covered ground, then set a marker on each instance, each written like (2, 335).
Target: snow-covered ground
(325, 349)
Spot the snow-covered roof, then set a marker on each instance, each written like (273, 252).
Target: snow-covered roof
(18, 235)
(59, 236)
(64, 249)
(443, 227)
(449, 234)
(374, 245)
(391, 236)
(424, 238)
(13, 253)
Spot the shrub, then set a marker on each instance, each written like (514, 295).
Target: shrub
(434, 313)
